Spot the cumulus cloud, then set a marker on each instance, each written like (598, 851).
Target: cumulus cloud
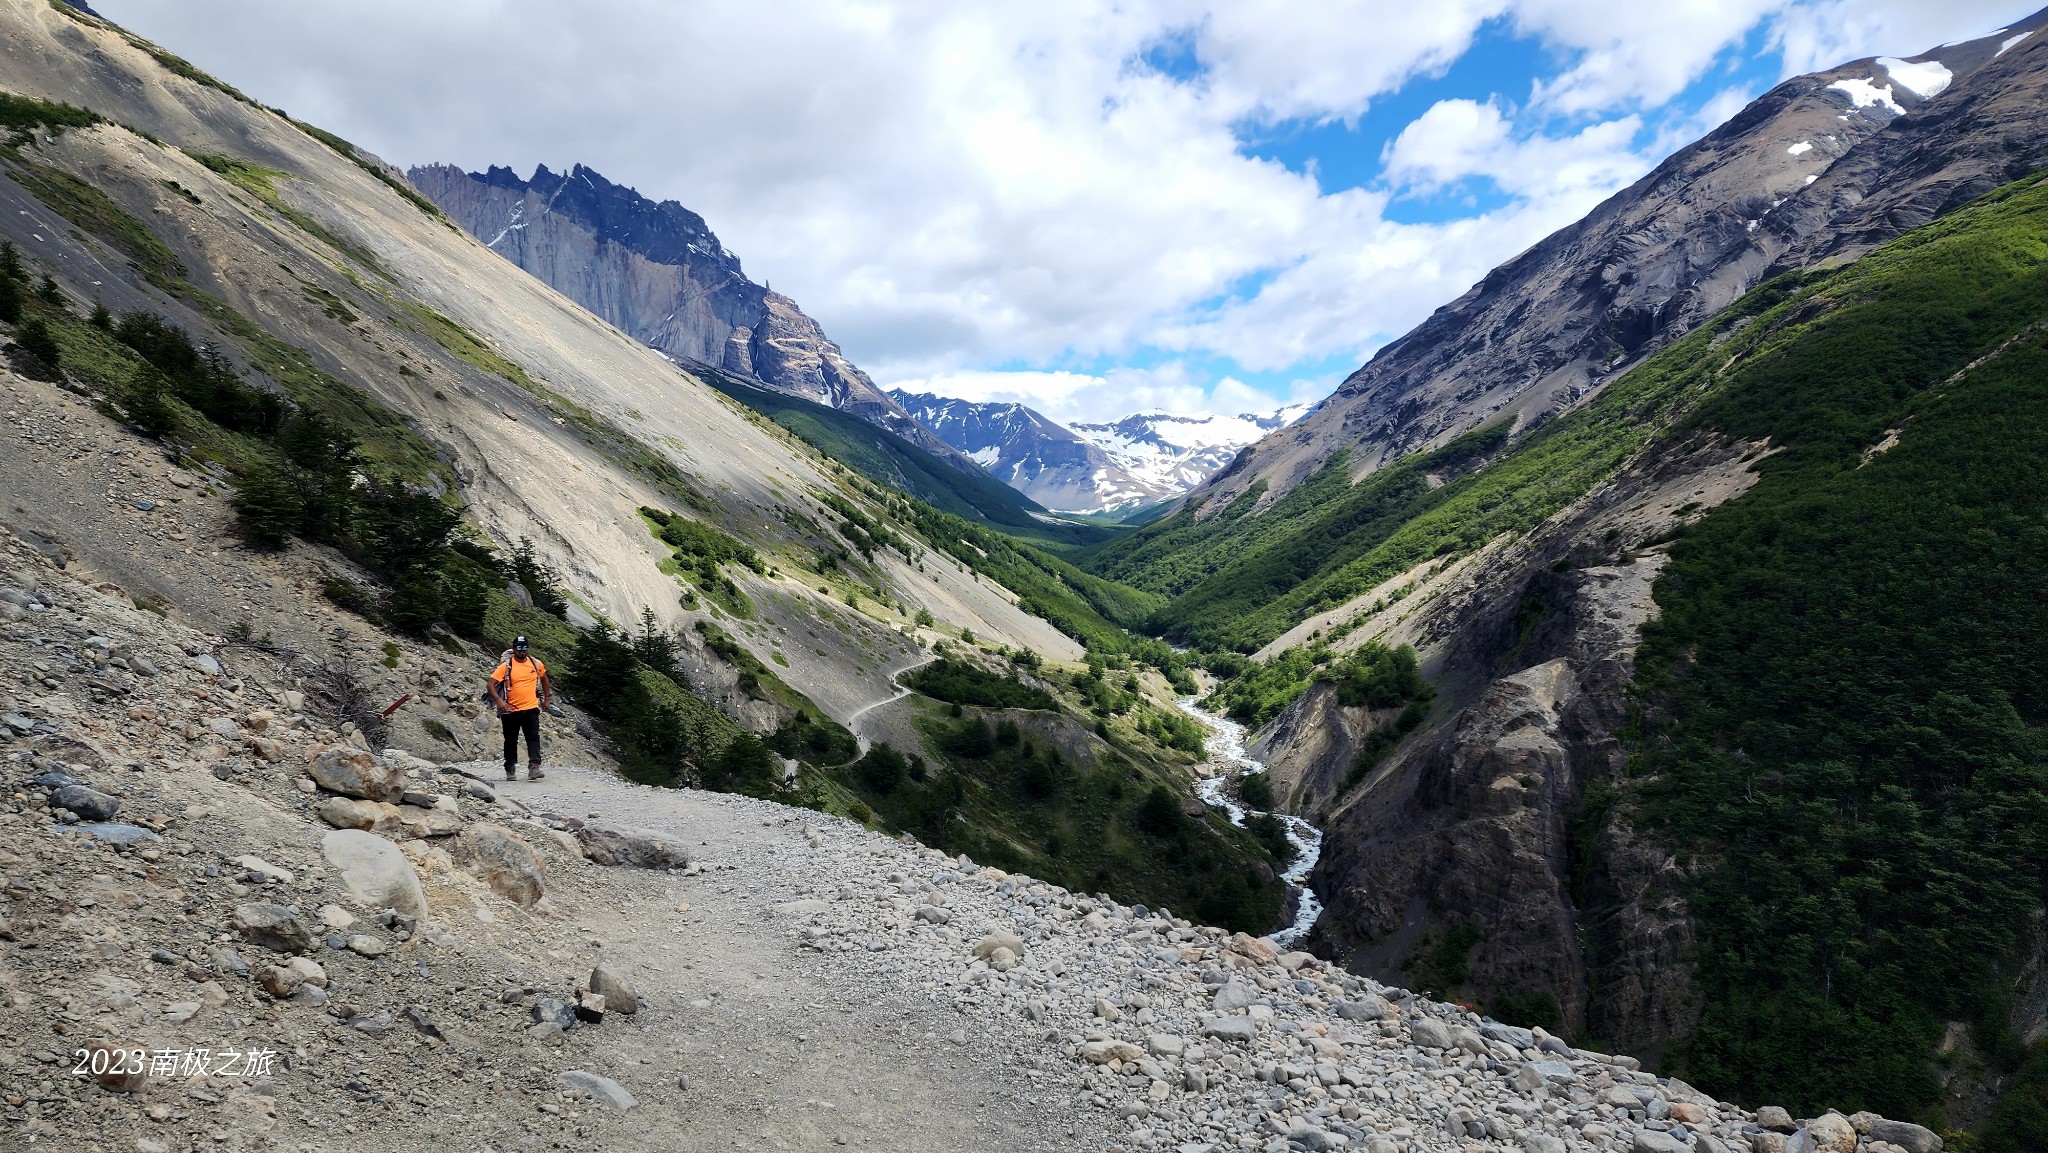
(948, 187)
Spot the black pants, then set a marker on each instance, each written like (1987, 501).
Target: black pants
(524, 721)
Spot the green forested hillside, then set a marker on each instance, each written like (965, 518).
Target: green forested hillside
(1846, 734)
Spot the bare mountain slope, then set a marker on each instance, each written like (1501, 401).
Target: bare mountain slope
(1828, 164)
(657, 272)
(556, 425)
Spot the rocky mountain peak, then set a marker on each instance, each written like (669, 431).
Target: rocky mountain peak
(656, 271)
(1822, 166)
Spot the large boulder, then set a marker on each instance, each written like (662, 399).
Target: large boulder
(999, 939)
(1371, 1007)
(1906, 1135)
(1430, 1033)
(88, 803)
(608, 844)
(355, 773)
(1832, 1133)
(273, 927)
(1243, 1030)
(1232, 996)
(506, 863)
(376, 873)
(1257, 950)
(368, 816)
(618, 993)
(603, 1088)
(422, 822)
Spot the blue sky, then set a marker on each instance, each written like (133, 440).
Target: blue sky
(1091, 206)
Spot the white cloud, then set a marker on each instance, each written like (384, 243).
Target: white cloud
(1824, 33)
(950, 186)
(1630, 52)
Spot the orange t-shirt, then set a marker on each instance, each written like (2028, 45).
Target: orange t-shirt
(522, 682)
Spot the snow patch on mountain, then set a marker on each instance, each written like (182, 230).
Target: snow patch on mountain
(1926, 80)
(1866, 94)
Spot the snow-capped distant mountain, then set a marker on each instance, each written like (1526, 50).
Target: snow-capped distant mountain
(1172, 454)
(1133, 462)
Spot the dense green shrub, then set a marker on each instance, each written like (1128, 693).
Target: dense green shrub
(699, 549)
(966, 683)
(970, 738)
(883, 769)
(267, 507)
(1159, 813)
(1371, 675)
(1271, 833)
(1256, 791)
(819, 741)
(22, 115)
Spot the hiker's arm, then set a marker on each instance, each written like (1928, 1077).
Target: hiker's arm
(497, 691)
(547, 692)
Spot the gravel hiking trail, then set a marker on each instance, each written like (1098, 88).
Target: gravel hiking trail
(784, 1049)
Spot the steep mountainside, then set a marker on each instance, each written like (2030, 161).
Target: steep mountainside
(1824, 165)
(656, 272)
(1808, 812)
(1120, 467)
(320, 276)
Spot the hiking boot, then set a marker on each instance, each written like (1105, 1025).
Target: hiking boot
(511, 774)
(533, 773)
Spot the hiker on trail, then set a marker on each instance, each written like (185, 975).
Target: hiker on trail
(520, 689)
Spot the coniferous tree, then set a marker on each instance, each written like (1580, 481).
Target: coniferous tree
(36, 353)
(267, 507)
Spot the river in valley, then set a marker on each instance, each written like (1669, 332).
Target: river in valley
(1227, 753)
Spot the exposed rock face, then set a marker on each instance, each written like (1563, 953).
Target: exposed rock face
(1477, 821)
(1824, 166)
(657, 273)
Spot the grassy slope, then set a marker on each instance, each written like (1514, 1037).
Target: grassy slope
(1846, 735)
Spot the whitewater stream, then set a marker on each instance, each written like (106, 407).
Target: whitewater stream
(1226, 751)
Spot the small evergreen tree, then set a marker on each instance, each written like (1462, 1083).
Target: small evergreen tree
(267, 507)
(465, 599)
(101, 318)
(415, 602)
(49, 293)
(10, 300)
(145, 403)
(1159, 813)
(654, 646)
(36, 354)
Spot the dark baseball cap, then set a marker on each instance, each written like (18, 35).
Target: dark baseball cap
(518, 644)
